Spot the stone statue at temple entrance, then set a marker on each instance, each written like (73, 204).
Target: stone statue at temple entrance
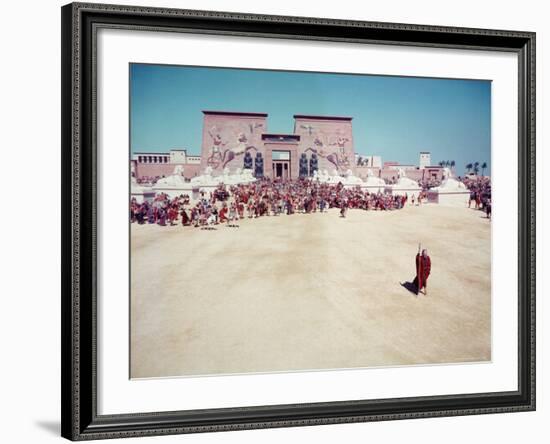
(259, 166)
(313, 164)
(247, 162)
(303, 171)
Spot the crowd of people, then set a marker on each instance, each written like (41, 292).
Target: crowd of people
(262, 198)
(480, 194)
(273, 198)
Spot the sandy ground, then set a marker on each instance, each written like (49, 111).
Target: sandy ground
(310, 292)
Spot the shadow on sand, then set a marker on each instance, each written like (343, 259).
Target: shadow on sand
(410, 286)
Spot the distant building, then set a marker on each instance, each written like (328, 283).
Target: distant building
(234, 140)
(425, 159)
(240, 140)
(147, 165)
(397, 166)
(376, 161)
(432, 172)
(180, 156)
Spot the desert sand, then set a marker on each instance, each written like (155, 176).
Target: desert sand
(311, 291)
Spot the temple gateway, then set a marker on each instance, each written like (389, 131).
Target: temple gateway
(238, 140)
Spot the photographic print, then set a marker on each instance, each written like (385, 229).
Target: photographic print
(273, 221)
(293, 221)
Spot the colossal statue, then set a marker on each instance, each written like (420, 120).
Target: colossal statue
(259, 165)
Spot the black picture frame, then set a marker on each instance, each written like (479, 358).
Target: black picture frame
(80, 22)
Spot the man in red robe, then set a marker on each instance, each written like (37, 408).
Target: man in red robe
(423, 268)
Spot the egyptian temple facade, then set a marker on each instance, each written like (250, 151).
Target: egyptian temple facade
(239, 140)
(242, 140)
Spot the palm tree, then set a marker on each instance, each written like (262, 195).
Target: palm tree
(453, 163)
(441, 163)
(476, 167)
(469, 167)
(483, 168)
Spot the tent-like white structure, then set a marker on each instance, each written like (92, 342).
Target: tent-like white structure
(405, 185)
(374, 184)
(348, 180)
(450, 192)
(175, 184)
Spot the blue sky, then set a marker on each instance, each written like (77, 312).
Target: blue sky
(394, 117)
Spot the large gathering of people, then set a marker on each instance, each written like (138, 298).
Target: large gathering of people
(262, 198)
(273, 198)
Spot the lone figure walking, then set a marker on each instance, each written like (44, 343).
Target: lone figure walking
(423, 268)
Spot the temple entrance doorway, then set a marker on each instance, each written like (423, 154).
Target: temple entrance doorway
(281, 165)
(281, 169)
